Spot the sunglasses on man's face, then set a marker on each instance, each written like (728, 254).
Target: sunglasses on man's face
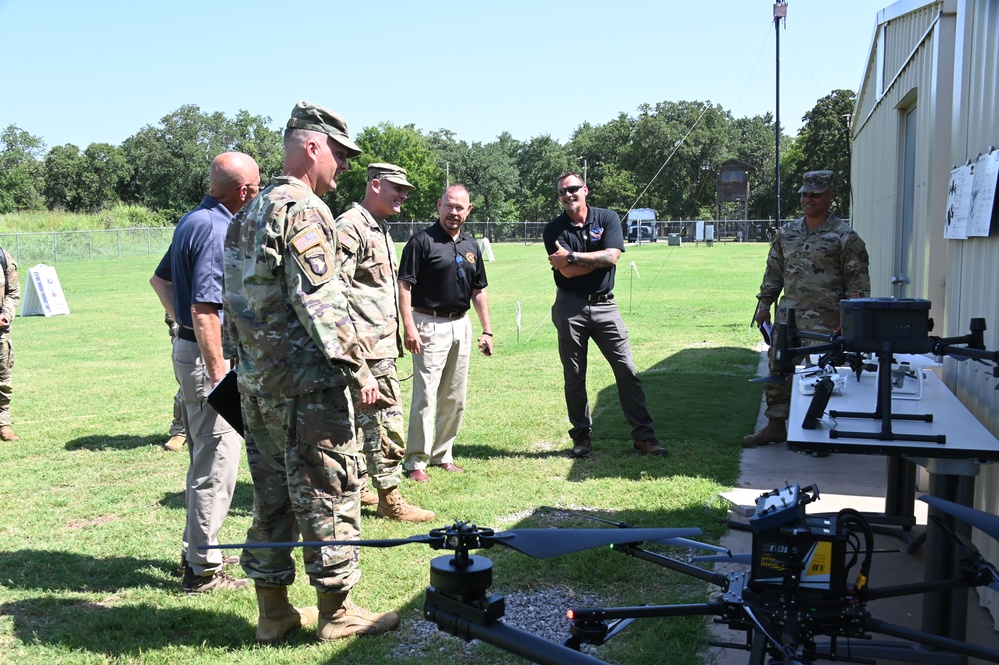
(572, 189)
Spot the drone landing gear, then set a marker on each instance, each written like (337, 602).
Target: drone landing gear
(883, 411)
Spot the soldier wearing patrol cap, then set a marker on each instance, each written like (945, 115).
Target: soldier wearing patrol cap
(369, 268)
(814, 262)
(287, 324)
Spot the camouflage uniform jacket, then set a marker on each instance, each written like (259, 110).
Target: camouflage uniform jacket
(286, 316)
(10, 287)
(814, 270)
(370, 272)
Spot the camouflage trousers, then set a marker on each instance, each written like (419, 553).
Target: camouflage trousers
(6, 390)
(177, 426)
(306, 471)
(381, 428)
(778, 395)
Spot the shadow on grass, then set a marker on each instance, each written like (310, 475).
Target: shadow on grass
(242, 500)
(701, 402)
(46, 570)
(110, 630)
(98, 442)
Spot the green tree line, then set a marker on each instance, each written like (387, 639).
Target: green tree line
(665, 156)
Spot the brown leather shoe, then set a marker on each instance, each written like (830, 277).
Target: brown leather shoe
(7, 434)
(651, 447)
(418, 475)
(449, 466)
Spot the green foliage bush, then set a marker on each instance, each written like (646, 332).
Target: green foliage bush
(132, 217)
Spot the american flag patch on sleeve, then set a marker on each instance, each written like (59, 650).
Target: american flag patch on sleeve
(306, 240)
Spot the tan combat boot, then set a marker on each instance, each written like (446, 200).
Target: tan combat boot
(7, 434)
(774, 432)
(394, 507)
(368, 498)
(277, 617)
(339, 617)
(175, 443)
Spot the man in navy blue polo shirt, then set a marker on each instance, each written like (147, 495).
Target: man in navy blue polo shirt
(440, 275)
(584, 244)
(195, 259)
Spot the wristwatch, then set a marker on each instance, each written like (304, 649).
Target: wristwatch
(571, 258)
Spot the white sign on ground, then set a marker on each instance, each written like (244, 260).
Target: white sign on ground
(43, 294)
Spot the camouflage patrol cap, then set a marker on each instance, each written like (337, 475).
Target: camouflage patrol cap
(307, 115)
(816, 182)
(389, 172)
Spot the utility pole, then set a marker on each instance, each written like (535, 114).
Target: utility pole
(780, 12)
(585, 164)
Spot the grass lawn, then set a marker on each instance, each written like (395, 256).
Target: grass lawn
(91, 506)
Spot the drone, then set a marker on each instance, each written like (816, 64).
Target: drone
(795, 603)
(881, 327)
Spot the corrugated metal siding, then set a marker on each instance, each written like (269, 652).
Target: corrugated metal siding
(957, 101)
(877, 156)
(973, 273)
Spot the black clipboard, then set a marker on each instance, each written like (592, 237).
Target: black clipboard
(224, 398)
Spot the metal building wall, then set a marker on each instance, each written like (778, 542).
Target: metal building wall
(973, 265)
(943, 57)
(910, 65)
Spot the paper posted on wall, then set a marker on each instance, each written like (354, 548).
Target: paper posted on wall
(983, 194)
(958, 202)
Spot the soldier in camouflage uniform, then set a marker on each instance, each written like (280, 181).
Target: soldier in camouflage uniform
(288, 326)
(369, 270)
(178, 437)
(814, 262)
(10, 287)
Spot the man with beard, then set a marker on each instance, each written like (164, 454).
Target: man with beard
(584, 244)
(441, 274)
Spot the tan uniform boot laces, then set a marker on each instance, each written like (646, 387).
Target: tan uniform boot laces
(339, 618)
(392, 506)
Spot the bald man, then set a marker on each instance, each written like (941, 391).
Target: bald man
(192, 291)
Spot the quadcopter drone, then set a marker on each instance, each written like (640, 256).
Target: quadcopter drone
(795, 603)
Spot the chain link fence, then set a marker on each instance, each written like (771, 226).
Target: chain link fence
(63, 246)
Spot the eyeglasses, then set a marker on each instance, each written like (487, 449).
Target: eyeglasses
(458, 261)
(572, 189)
(254, 185)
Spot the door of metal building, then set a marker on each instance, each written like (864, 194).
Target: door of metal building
(901, 286)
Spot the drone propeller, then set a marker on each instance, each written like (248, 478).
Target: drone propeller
(673, 542)
(988, 524)
(548, 543)
(537, 543)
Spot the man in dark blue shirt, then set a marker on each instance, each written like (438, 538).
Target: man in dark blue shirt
(584, 244)
(195, 297)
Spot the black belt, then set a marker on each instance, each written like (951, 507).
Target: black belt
(589, 297)
(438, 313)
(186, 333)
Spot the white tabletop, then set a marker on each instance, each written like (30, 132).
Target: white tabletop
(966, 437)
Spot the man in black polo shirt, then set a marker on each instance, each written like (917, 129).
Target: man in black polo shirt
(440, 274)
(584, 244)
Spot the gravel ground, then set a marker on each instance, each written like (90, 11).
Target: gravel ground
(541, 612)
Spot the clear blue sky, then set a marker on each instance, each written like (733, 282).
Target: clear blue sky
(98, 71)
